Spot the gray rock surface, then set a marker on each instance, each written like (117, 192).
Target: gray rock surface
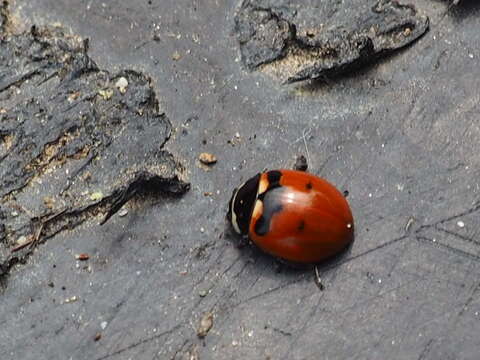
(401, 136)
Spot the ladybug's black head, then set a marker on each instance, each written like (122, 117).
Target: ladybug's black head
(241, 205)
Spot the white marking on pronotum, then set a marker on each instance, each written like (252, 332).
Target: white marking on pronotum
(258, 209)
(234, 216)
(262, 185)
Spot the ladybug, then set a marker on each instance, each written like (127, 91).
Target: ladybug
(292, 215)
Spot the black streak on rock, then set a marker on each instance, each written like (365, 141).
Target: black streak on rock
(322, 38)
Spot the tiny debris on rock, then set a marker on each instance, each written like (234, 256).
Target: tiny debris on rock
(176, 56)
(207, 158)
(71, 299)
(206, 324)
(82, 257)
(122, 84)
(123, 212)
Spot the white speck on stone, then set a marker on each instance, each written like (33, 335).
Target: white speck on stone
(359, 135)
(21, 240)
(370, 195)
(460, 224)
(103, 325)
(470, 56)
(349, 226)
(379, 281)
(234, 343)
(14, 213)
(71, 299)
(400, 187)
(434, 240)
(122, 212)
(237, 135)
(122, 85)
(202, 230)
(138, 273)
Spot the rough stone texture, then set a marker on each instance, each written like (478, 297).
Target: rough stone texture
(322, 38)
(401, 136)
(73, 144)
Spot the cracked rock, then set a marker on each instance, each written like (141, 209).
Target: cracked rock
(296, 41)
(63, 141)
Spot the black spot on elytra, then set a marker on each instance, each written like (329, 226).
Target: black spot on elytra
(301, 226)
(309, 186)
(274, 178)
(262, 226)
(271, 200)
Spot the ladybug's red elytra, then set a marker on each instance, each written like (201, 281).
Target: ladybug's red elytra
(292, 215)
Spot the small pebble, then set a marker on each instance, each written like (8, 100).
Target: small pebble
(206, 324)
(97, 337)
(21, 240)
(49, 202)
(122, 84)
(176, 56)
(207, 158)
(106, 94)
(82, 257)
(103, 325)
(460, 224)
(202, 293)
(71, 299)
(122, 212)
(96, 196)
